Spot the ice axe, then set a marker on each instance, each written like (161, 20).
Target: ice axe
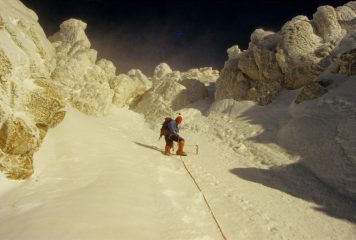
(196, 148)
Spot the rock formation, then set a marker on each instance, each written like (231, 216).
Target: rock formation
(28, 106)
(39, 78)
(311, 91)
(89, 85)
(129, 88)
(173, 90)
(288, 59)
(78, 77)
(318, 57)
(346, 63)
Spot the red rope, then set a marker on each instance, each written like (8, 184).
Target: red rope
(206, 202)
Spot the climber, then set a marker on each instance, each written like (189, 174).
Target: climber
(170, 131)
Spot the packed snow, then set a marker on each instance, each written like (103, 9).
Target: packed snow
(105, 178)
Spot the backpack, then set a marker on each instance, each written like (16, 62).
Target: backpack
(164, 128)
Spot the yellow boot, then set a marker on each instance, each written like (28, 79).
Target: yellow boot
(180, 149)
(167, 150)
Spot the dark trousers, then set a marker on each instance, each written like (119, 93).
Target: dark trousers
(172, 137)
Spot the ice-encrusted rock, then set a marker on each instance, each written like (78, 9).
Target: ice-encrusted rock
(28, 106)
(79, 77)
(326, 24)
(89, 85)
(234, 83)
(304, 54)
(206, 75)
(311, 91)
(38, 78)
(129, 88)
(233, 52)
(345, 13)
(174, 91)
(161, 70)
(346, 63)
(296, 53)
(162, 99)
(290, 58)
(138, 75)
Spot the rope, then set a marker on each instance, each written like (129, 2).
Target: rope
(206, 201)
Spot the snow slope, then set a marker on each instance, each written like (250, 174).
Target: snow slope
(103, 178)
(95, 180)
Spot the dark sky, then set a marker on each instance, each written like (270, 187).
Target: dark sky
(183, 33)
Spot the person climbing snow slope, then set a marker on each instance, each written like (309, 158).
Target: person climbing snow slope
(170, 130)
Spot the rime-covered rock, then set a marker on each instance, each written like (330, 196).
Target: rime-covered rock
(326, 24)
(232, 83)
(290, 58)
(204, 75)
(311, 91)
(38, 78)
(346, 63)
(296, 53)
(316, 56)
(129, 88)
(160, 71)
(89, 85)
(233, 52)
(345, 13)
(28, 106)
(78, 76)
(174, 91)
(18, 137)
(259, 61)
(136, 74)
(46, 106)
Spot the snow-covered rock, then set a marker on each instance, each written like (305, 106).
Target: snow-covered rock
(346, 12)
(326, 24)
(311, 91)
(161, 70)
(290, 58)
(206, 75)
(89, 85)
(129, 88)
(317, 56)
(78, 77)
(39, 78)
(28, 106)
(233, 52)
(346, 63)
(233, 83)
(174, 91)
